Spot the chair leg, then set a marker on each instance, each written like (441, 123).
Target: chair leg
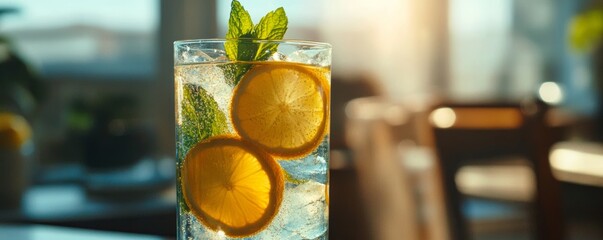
(457, 223)
(548, 217)
(548, 213)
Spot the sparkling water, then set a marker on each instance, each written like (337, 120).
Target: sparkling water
(303, 213)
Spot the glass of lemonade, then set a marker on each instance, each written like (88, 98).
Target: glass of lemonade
(252, 139)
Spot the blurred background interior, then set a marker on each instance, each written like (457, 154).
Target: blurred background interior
(451, 119)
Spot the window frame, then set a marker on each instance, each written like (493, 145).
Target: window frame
(179, 19)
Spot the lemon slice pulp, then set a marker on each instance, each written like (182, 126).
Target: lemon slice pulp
(232, 186)
(283, 107)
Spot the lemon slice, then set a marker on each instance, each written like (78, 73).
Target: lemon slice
(232, 186)
(283, 107)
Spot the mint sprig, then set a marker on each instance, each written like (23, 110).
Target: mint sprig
(273, 26)
(201, 119)
(239, 22)
(240, 26)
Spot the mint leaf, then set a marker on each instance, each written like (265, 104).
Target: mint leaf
(271, 27)
(239, 26)
(239, 22)
(233, 72)
(201, 118)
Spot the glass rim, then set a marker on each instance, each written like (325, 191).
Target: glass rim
(314, 44)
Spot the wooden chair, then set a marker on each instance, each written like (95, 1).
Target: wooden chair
(375, 125)
(480, 132)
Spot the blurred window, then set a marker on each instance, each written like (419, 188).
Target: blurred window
(479, 41)
(108, 39)
(304, 16)
(392, 43)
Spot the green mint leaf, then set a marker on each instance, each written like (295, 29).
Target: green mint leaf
(271, 27)
(239, 26)
(233, 72)
(240, 22)
(245, 48)
(201, 118)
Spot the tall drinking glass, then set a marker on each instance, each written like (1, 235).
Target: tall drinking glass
(252, 138)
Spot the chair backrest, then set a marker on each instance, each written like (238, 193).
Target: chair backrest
(464, 131)
(472, 132)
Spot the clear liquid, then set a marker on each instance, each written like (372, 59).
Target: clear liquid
(303, 213)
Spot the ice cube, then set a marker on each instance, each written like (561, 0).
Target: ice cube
(211, 78)
(312, 57)
(191, 227)
(299, 57)
(303, 213)
(309, 168)
(215, 53)
(322, 58)
(195, 56)
(202, 55)
(277, 56)
(313, 167)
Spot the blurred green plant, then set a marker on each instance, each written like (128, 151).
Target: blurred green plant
(586, 30)
(20, 88)
(585, 35)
